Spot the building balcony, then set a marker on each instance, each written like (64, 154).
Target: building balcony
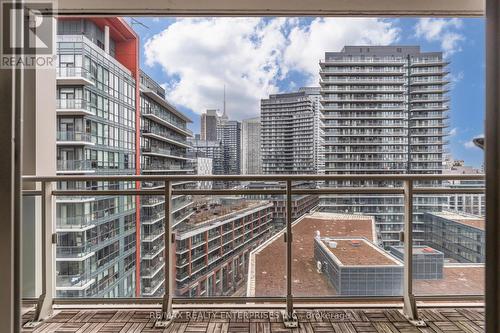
(150, 272)
(165, 168)
(73, 138)
(153, 252)
(361, 71)
(428, 62)
(367, 80)
(74, 166)
(152, 236)
(422, 81)
(362, 90)
(164, 152)
(73, 282)
(73, 107)
(366, 61)
(74, 253)
(165, 137)
(161, 117)
(73, 76)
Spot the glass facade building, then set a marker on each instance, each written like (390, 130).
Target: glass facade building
(384, 112)
(289, 130)
(96, 123)
(164, 147)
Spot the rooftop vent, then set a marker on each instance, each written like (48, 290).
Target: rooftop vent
(356, 243)
(428, 250)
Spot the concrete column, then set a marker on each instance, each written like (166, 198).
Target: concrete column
(492, 163)
(39, 158)
(9, 202)
(106, 39)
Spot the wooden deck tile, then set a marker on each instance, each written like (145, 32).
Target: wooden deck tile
(443, 320)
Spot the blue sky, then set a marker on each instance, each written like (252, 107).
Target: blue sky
(195, 58)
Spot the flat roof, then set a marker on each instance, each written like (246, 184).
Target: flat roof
(267, 268)
(418, 249)
(227, 214)
(358, 252)
(462, 218)
(461, 279)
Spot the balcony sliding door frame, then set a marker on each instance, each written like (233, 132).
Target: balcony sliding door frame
(492, 166)
(12, 97)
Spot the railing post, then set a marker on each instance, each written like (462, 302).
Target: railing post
(289, 317)
(166, 308)
(44, 304)
(409, 306)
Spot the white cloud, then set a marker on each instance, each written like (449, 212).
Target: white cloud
(204, 54)
(250, 56)
(308, 43)
(470, 144)
(453, 131)
(443, 31)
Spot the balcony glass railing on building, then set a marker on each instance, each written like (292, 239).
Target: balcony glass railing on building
(364, 60)
(74, 136)
(367, 79)
(167, 152)
(238, 252)
(74, 72)
(163, 134)
(77, 105)
(74, 165)
(165, 116)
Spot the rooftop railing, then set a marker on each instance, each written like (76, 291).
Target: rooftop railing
(413, 186)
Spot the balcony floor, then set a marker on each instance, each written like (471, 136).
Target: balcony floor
(470, 320)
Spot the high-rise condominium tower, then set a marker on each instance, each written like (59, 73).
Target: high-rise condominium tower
(112, 119)
(250, 147)
(164, 149)
(209, 121)
(97, 101)
(384, 112)
(288, 132)
(229, 134)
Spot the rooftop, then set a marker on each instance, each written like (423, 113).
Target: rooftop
(267, 276)
(358, 252)
(215, 214)
(419, 249)
(458, 279)
(267, 271)
(462, 218)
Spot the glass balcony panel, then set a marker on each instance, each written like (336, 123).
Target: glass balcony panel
(215, 246)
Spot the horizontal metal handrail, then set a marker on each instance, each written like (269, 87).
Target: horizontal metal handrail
(294, 177)
(338, 190)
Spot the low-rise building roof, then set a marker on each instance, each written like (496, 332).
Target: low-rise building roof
(267, 267)
(462, 218)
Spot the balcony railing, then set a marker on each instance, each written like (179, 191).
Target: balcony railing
(74, 136)
(74, 76)
(76, 106)
(412, 189)
(74, 165)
